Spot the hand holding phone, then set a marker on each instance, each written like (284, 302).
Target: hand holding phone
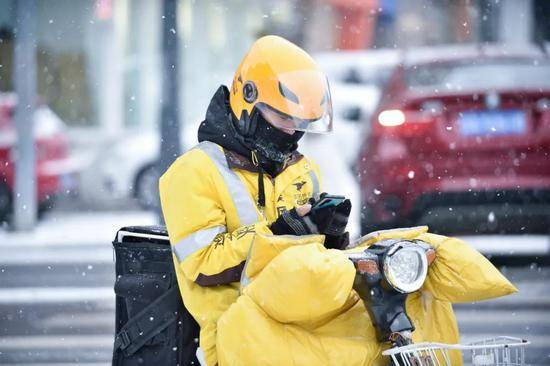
(327, 200)
(330, 215)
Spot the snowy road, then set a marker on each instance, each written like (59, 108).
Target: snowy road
(56, 290)
(57, 303)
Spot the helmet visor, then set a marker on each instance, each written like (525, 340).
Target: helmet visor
(301, 101)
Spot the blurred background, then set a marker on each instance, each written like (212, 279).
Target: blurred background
(442, 117)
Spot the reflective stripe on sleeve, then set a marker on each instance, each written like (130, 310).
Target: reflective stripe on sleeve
(246, 209)
(196, 241)
(315, 183)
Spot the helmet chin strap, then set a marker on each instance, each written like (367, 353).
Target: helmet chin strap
(261, 188)
(268, 145)
(273, 145)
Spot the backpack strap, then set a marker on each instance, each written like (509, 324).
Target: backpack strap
(149, 322)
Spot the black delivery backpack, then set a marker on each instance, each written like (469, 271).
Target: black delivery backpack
(152, 325)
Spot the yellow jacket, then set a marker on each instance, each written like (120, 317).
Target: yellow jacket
(208, 200)
(298, 306)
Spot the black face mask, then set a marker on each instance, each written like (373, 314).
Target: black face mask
(273, 144)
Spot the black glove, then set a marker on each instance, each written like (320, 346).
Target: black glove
(337, 241)
(330, 220)
(290, 223)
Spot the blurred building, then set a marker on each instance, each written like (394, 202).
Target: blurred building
(99, 61)
(429, 22)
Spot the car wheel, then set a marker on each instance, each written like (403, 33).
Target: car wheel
(5, 203)
(46, 205)
(147, 190)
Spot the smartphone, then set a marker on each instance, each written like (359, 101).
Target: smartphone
(328, 201)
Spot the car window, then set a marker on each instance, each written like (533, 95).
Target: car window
(375, 76)
(475, 75)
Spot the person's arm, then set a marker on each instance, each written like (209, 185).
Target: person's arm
(330, 220)
(190, 197)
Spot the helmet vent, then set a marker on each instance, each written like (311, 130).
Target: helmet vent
(288, 94)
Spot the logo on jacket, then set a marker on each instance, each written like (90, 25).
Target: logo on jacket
(301, 198)
(250, 229)
(299, 185)
(219, 240)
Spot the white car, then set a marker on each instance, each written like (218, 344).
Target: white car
(366, 67)
(356, 80)
(125, 170)
(113, 175)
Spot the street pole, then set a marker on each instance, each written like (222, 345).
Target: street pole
(169, 124)
(24, 80)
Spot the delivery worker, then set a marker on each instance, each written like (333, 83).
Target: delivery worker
(246, 177)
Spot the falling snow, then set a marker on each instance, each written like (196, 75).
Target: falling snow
(467, 153)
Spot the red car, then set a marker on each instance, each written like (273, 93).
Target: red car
(461, 142)
(54, 168)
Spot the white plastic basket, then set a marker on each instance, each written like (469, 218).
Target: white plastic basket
(498, 351)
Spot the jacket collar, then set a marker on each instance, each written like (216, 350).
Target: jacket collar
(238, 161)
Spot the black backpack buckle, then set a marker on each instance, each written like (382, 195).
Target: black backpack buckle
(122, 340)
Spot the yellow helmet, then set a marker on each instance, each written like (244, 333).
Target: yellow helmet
(276, 77)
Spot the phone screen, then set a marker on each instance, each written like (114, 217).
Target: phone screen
(329, 201)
